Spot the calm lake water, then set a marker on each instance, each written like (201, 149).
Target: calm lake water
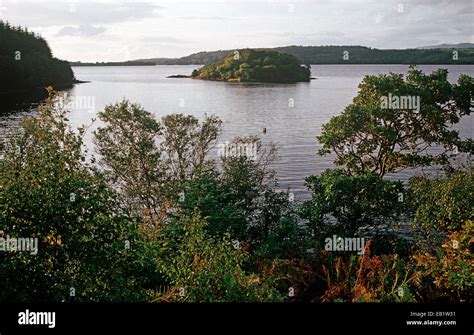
(291, 113)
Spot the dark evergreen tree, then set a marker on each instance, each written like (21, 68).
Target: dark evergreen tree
(26, 62)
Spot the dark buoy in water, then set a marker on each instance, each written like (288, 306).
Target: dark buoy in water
(264, 130)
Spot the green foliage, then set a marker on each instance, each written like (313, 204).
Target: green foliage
(187, 142)
(353, 201)
(209, 194)
(130, 155)
(249, 185)
(285, 240)
(256, 66)
(368, 137)
(35, 67)
(443, 205)
(241, 200)
(47, 192)
(207, 269)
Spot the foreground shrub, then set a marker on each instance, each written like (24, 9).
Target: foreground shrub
(448, 273)
(240, 201)
(342, 203)
(442, 205)
(206, 269)
(383, 278)
(331, 277)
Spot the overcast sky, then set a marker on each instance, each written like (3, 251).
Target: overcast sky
(116, 30)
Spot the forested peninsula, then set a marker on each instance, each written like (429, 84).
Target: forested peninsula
(26, 62)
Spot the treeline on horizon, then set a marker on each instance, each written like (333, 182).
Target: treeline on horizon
(335, 55)
(26, 62)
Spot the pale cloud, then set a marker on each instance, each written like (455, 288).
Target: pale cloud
(211, 18)
(44, 13)
(82, 30)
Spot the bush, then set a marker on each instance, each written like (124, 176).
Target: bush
(240, 200)
(132, 160)
(369, 279)
(207, 269)
(448, 273)
(342, 203)
(443, 205)
(330, 277)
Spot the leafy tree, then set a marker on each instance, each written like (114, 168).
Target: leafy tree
(266, 223)
(209, 195)
(368, 137)
(187, 142)
(131, 156)
(150, 160)
(250, 185)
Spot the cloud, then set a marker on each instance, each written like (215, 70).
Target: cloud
(54, 13)
(207, 18)
(82, 31)
(163, 40)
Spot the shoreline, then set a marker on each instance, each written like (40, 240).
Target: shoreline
(40, 88)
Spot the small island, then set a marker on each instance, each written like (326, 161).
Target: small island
(178, 76)
(249, 65)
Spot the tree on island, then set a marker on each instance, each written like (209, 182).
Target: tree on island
(249, 65)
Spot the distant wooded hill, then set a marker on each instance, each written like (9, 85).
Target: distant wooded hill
(338, 55)
(448, 46)
(26, 62)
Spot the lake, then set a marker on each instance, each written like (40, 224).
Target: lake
(292, 113)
